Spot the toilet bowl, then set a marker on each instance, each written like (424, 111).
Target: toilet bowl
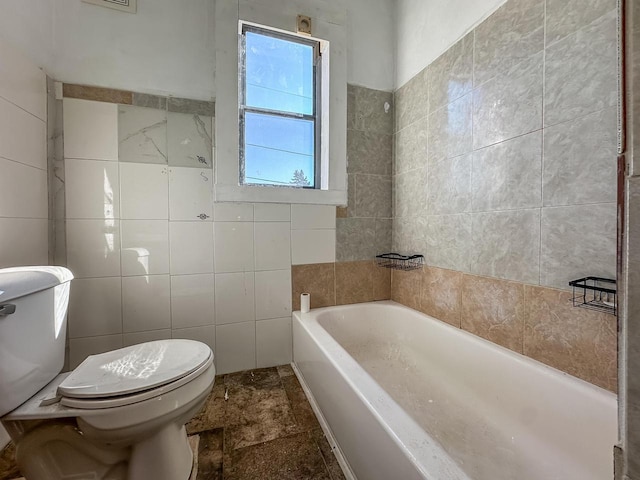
(118, 415)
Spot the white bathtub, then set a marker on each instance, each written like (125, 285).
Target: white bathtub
(409, 397)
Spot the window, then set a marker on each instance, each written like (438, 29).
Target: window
(279, 109)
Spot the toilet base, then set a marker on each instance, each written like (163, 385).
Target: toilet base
(164, 456)
(55, 450)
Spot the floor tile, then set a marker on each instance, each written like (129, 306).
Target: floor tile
(292, 458)
(210, 455)
(300, 407)
(8, 467)
(257, 415)
(255, 424)
(285, 370)
(213, 412)
(330, 461)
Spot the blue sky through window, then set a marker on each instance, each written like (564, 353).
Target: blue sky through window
(279, 77)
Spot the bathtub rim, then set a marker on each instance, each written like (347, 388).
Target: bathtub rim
(428, 450)
(342, 361)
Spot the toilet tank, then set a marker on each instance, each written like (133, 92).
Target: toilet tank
(33, 327)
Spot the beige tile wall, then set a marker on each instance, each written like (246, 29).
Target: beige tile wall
(340, 283)
(539, 322)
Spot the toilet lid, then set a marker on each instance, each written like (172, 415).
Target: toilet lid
(134, 369)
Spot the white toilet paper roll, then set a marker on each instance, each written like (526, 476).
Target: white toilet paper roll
(305, 302)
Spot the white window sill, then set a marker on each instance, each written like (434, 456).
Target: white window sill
(256, 194)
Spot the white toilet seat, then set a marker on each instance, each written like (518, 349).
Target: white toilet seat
(134, 369)
(122, 400)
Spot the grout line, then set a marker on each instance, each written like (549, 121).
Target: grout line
(25, 110)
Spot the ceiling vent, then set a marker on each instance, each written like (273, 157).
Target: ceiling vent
(122, 5)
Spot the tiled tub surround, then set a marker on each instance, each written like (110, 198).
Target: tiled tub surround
(538, 322)
(363, 227)
(438, 403)
(505, 168)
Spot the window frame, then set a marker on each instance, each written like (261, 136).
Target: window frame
(316, 117)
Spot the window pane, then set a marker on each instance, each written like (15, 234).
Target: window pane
(279, 74)
(278, 150)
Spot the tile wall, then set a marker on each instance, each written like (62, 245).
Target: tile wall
(153, 256)
(505, 177)
(24, 204)
(363, 228)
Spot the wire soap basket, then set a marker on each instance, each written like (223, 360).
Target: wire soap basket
(400, 262)
(595, 293)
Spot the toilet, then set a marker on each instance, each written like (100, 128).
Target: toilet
(118, 415)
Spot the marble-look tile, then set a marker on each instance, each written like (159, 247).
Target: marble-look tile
(406, 287)
(194, 107)
(373, 196)
(355, 282)
(581, 72)
(409, 235)
(355, 239)
(93, 247)
(575, 340)
(411, 101)
(450, 129)
(275, 460)
(411, 146)
(372, 109)
(508, 175)
(97, 94)
(142, 135)
(494, 309)
(510, 104)
(274, 339)
(449, 185)
(448, 241)
(564, 17)
(410, 193)
(189, 140)
(210, 455)
(440, 295)
(384, 235)
(369, 152)
(450, 75)
(316, 279)
(579, 160)
(213, 412)
(577, 241)
(305, 418)
(506, 245)
(511, 34)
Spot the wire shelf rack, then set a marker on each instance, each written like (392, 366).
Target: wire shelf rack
(400, 262)
(595, 293)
